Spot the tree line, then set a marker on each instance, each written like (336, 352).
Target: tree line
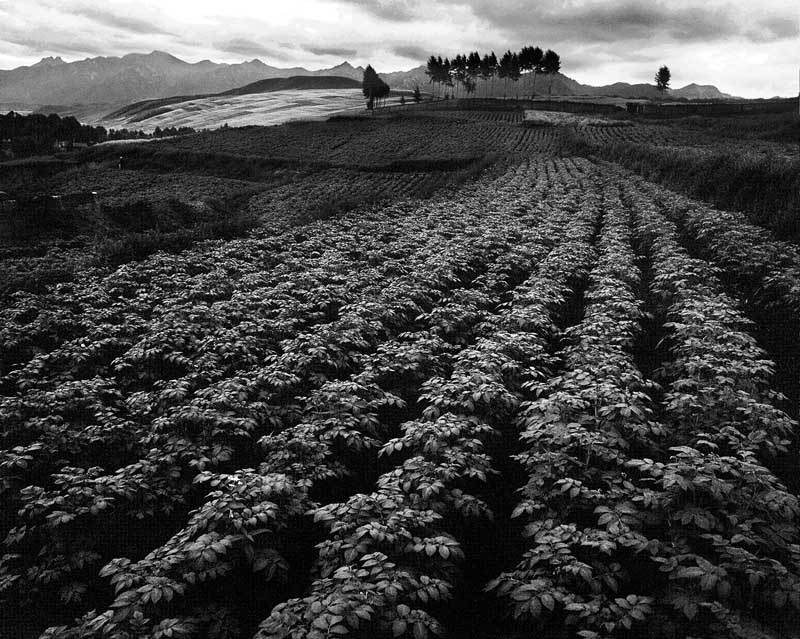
(36, 133)
(461, 74)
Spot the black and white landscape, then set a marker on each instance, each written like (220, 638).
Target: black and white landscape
(491, 331)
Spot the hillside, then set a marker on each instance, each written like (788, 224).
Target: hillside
(146, 109)
(296, 82)
(699, 92)
(211, 111)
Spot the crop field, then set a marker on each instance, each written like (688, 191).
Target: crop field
(262, 109)
(374, 142)
(535, 395)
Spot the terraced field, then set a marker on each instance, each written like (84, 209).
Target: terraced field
(542, 401)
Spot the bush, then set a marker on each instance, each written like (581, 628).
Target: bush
(139, 245)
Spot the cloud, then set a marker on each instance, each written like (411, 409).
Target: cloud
(607, 21)
(55, 43)
(594, 20)
(332, 51)
(251, 49)
(125, 23)
(600, 41)
(412, 52)
(392, 10)
(774, 28)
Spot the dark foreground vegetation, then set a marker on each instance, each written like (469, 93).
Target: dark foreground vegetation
(36, 134)
(107, 205)
(437, 373)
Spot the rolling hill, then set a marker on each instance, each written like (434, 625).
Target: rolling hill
(262, 109)
(147, 109)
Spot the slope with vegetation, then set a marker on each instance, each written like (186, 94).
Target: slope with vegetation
(146, 109)
(496, 389)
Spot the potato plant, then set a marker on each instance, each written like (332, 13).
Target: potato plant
(327, 428)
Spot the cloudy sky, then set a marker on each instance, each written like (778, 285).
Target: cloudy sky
(747, 48)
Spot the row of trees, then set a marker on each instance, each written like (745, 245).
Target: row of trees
(462, 73)
(32, 134)
(42, 131)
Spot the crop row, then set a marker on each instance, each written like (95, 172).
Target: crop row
(326, 192)
(732, 552)
(653, 134)
(752, 253)
(582, 568)
(474, 115)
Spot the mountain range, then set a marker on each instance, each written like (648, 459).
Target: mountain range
(134, 77)
(106, 83)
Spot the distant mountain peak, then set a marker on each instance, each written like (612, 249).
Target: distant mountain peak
(696, 91)
(155, 55)
(50, 61)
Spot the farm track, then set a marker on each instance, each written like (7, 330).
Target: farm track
(529, 404)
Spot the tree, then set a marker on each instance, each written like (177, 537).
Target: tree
(417, 95)
(551, 64)
(514, 71)
(493, 68)
(662, 79)
(530, 63)
(469, 85)
(447, 73)
(373, 87)
(504, 70)
(486, 72)
(536, 58)
(383, 92)
(459, 70)
(473, 70)
(525, 60)
(432, 71)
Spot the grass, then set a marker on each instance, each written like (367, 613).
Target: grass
(749, 170)
(770, 127)
(766, 187)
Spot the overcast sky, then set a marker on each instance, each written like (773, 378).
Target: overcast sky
(748, 48)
